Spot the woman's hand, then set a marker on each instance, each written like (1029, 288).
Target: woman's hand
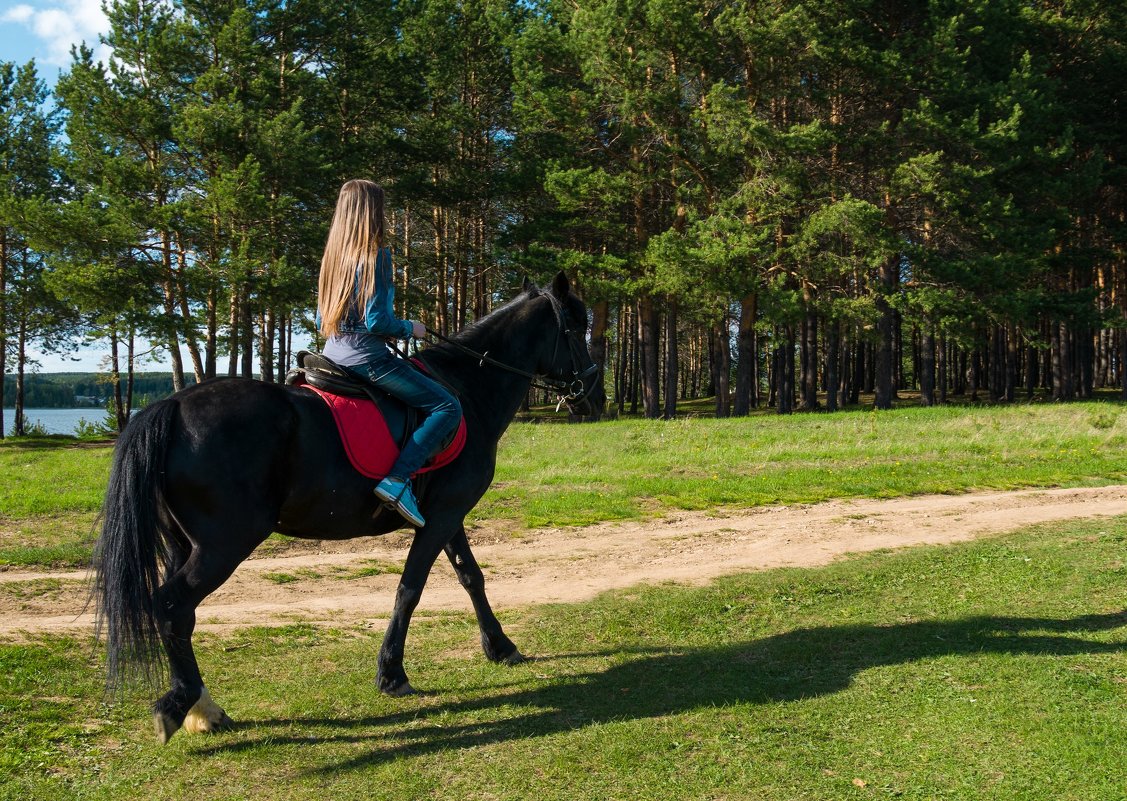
(418, 330)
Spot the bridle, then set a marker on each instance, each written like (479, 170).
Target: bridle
(571, 391)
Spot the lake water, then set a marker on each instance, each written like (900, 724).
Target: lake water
(56, 421)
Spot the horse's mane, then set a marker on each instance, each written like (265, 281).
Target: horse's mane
(491, 320)
(443, 355)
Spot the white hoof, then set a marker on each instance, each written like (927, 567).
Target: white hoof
(206, 716)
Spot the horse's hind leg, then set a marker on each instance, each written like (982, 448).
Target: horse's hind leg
(187, 703)
(497, 646)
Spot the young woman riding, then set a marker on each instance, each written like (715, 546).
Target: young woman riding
(356, 294)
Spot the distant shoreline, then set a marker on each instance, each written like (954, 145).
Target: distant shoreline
(84, 390)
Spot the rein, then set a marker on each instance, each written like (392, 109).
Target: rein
(570, 391)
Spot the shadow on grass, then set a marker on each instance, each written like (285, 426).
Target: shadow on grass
(799, 664)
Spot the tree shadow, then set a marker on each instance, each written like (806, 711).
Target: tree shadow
(802, 663)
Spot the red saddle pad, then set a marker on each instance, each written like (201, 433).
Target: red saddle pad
(367, 440)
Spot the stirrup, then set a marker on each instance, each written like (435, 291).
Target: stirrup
(397, 496)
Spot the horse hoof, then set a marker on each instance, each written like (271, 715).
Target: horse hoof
(165, 727)
(515, 658)
(402, 690)
(221, 723)
(207, 717)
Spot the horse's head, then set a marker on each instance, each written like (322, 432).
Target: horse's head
(565, 358)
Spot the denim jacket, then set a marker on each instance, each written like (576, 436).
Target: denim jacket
(359, 341)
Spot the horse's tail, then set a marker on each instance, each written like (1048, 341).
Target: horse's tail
(134, 542)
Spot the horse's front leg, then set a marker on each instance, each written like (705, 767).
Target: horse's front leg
(497, 647)
(429, 540)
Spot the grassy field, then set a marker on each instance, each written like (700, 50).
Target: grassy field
(572, 475)
(551, 475)
(990, 670)
(50, 494)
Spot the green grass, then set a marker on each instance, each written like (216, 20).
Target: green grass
(989, 670)
(44, 477)
(50, 492)
(360, 569)
(553, 475)
(574, 475)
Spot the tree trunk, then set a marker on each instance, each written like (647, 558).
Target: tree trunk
(650, 321)
(1123, 365)
(897, 352)
(833, 347)
(21, 363)
(266, 346)
(773, 369)
(1086, 358)
(883, 373)
(115, 379)
(404, 261)
(211, 345)
(941, 368)
(998, 363)
(927, 365)
(620, 356)
(461, 271)
(723, 368)
(845, 358)
(788, 366)
(746, 353)
(129, 372)
(440, 289)
(1062, 362)
(600, 313)
(670, 409)
(1010, 388)
(170, 304)
(810, 359)
(859, 367)
(283, 349)
(785, 370)
(246, 330)
(233, 317)
(635, 372)
(975, 374)
(186, 316)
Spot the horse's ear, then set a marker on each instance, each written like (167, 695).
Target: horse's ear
(561, 286)
(526, 285)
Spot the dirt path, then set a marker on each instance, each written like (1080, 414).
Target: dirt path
(341, 583)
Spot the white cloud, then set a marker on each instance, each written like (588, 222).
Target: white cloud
(61, 25)
(20, 13)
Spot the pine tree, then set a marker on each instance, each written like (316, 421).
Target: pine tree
(29, 313)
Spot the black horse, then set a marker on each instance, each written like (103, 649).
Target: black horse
(202, 478)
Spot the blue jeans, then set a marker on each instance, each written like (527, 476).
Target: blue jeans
(443, 412)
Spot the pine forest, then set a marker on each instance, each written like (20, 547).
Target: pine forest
(784, 204)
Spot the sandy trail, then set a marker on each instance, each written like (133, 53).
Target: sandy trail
(327, 585)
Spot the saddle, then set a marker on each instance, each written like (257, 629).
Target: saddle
(373, 425)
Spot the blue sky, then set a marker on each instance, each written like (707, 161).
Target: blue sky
(46, 29)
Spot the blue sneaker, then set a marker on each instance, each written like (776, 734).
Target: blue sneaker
(396, 493)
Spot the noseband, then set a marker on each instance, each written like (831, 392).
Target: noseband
(570, 390)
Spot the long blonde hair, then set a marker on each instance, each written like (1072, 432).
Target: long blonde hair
(351, 251)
